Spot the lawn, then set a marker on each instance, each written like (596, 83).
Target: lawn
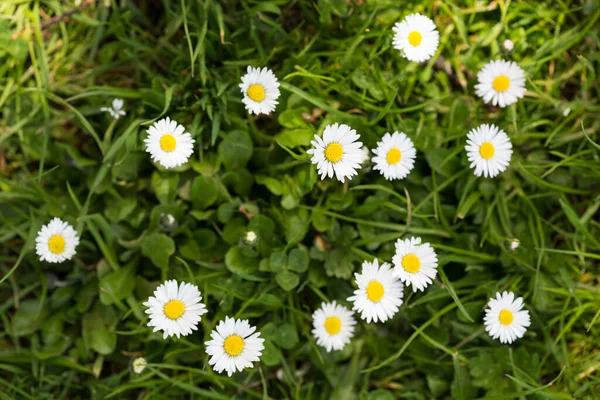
(250, 222)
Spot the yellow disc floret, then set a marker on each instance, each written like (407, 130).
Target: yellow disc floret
(506, 317)
(233, 345)
(56, 244)
(256, 92)
(174, 309)
(375, 291)
(168, 142)
(334, 152)
(501, 83)
(487, 150)
(333, 325)
(414, 38)
(411, 263)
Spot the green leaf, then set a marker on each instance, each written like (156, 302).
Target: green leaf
(298, 259)
(238, 263)
(158, 247)
(286, 337)
(295, 137)
(28, 318)
(120, 209)
(275, 186)
(205, 192)
(165, 186)
(287, 280)
(117, 285)
(103, 341)
(277, 261)
(380, 394)
(271, 355)
(235, 150)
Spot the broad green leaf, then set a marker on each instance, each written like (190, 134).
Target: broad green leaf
(158, 247)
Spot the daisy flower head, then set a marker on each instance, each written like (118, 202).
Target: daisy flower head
(175, 309)
(337, 152)
(415, 263)
(116, 109)
(333, 326)
(489, 150)
(234, 346)
(501, 83)
(379, 293)
(260, 89)
(394, 156)
(505, 318)
(416, 37)
(56, 241)
(168, 143)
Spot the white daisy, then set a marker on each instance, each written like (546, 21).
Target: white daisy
(416, 37)
(116, 110)
(56, 241)
(505, 318)
(234, 346)
(415, 263)
(395, 156)
(489, 150)
(379, 293)
(168, 143)
(501, 83)
(338, 151)
(260, 89)
(175, 311)
(333, 326)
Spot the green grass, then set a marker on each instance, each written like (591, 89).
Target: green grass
(72, 330)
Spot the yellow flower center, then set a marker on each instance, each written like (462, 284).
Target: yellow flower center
(333, 325)
(393, 156)
(168, 142)
(375, 291)
(233, 345)
(174, 309)
(411, 263)
(506, 317)
(487, 150)
(256, 92)
(414, 38)
(334, 152)
(57, 244)
(501, 83)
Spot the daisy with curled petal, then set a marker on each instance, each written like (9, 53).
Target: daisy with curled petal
(501, 83)
(56, 241)
(379, 293)
(394, 156)
(337, 152)
(116, 110)
(505, 318)
(415, 263)
(416, 37)
(175, 310)
(234, 346)
(260, 89)
(333, 326)
(489, 150)
(168, 143)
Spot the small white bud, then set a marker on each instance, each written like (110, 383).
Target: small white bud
(514, 244)
(139, 364)
(509, 45)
